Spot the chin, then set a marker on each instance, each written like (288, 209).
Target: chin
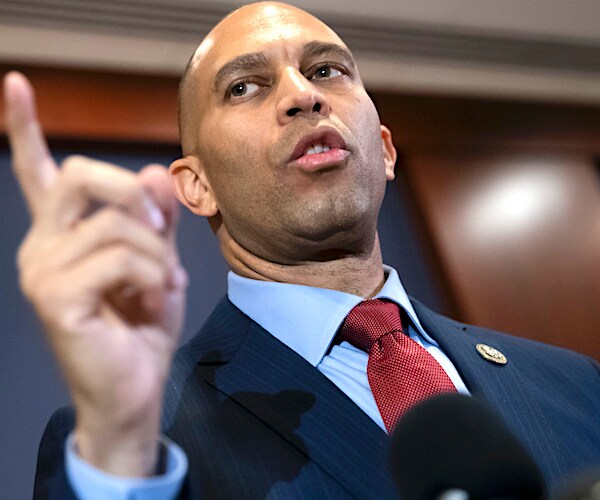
(341, 223)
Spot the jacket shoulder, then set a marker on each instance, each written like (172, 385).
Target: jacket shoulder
(449, 324)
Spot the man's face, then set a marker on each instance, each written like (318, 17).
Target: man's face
(289, 140)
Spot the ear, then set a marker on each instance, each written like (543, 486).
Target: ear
(389, 152)
(191, 186)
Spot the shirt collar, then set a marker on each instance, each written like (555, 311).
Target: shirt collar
(306, 318)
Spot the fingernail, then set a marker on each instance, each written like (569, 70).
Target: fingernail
(157, 218)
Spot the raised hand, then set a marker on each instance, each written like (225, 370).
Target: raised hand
(100, 266)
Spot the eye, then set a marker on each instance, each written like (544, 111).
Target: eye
(326, 71)
(243, 89)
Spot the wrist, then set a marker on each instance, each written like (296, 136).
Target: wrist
(130, 450)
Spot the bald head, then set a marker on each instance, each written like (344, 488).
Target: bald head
(283, 148)
(213, 59)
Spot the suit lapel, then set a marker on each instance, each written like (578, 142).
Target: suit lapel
(299, 403)
(501, 386)
(459, 346)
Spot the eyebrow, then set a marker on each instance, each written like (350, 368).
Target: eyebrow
(255, 60)
(240, 63)
(316, 49)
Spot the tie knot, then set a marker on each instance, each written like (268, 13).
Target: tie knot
(368, 322)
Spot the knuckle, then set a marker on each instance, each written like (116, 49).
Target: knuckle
(30, 272)
(44, 292)
(23, 255)
(29, 252)
(72, 164)
(47, 300)
(34, 286)
(29, 260)
(72, 172)
(26, 286)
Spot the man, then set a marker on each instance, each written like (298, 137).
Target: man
(284, 153)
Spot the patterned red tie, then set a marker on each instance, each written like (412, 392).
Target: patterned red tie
(401, 373)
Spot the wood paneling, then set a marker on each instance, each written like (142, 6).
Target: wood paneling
(422, 121)
(509, 193)
(519, 236)
(87, 105)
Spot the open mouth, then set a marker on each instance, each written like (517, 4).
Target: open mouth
(319, 149)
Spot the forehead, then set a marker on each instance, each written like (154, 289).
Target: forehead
(261, 28)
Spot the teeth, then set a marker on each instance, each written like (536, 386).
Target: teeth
(317, 148)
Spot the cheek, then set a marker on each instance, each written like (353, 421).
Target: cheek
(358, 114)
(370, 138)
(234, 166)
(231, 147)
(370, 124)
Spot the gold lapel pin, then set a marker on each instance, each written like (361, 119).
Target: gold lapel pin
(491, 354)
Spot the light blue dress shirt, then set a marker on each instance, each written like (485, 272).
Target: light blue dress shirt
(305, 319)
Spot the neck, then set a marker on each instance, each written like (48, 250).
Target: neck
(360, 275)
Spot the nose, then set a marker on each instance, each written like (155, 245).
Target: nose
(299, 97)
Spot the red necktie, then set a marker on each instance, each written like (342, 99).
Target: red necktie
(401, 373)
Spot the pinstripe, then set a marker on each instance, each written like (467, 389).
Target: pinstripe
(257, 421)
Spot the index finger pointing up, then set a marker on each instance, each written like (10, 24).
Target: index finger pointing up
(32, 163)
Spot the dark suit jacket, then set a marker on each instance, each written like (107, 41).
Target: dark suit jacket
(256, 420)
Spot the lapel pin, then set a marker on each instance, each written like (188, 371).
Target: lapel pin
(491, 354)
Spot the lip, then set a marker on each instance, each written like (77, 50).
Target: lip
(327, 137)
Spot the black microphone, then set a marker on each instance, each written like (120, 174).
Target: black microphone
(453, 446)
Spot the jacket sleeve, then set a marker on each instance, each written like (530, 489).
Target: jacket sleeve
(50, 478)
(54, 480)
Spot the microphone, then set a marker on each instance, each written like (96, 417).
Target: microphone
(583, 486)
(454, 447)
